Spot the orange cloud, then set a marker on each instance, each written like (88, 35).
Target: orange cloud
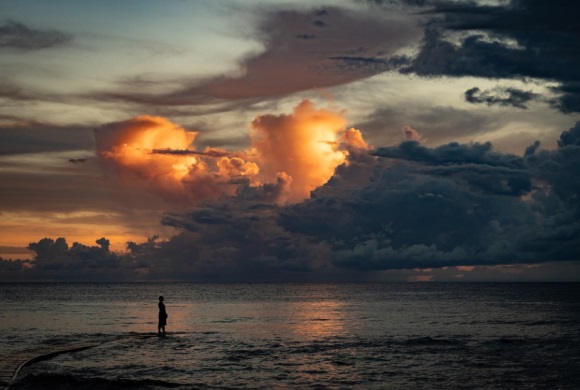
(235, 167)
(302, 144)
(291, 155)
(411, 134)
(130, 144)
(353, 139)
(128, 147)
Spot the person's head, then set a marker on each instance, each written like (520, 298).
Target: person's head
(160, 299)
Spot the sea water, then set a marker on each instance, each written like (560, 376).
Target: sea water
(305, 335)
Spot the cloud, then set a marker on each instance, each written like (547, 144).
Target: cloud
(500, 96)
(35, 137)
(404, 207)
(438, 124)
(15, 35)
(77, 160)
(55, 260)
(519, 39)
(569, 99)
(130, 148)
(400, 207)
(457, 204)
(56, 255)
(302, 145)
(300, 53)
(411, 134)
(291, 155)
(570, 137)
(452, 153)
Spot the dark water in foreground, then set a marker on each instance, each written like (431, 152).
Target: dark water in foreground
(419, 336)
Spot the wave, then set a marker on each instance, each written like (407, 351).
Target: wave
(69, 382)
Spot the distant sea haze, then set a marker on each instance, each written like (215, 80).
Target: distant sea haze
(394, 335)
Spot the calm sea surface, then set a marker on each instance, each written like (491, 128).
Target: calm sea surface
(408, 336)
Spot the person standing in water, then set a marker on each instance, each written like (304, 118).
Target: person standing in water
(162, 317)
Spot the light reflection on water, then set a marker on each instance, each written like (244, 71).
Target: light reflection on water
(298, 334)
(315, 320)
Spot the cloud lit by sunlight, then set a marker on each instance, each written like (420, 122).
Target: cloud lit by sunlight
(302, 144)
(298, 151)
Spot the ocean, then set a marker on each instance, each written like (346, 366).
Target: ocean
(296, 335)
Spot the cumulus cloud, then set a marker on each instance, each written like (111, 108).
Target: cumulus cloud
(291, 155)
(407, 206)
(15, 35)
(56, 260)
(402, 207)
(457, 204)
(302, 144)
(411, 134)
(352, 139)
(127, 147)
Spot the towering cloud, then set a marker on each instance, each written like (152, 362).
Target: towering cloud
(128, 147)
(397, 207)
(291, 155)
(302, 144)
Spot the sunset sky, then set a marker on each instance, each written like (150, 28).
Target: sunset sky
(379, 140)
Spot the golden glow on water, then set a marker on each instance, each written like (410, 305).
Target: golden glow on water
(317, 320)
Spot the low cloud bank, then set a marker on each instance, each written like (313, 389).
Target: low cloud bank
(400, 207)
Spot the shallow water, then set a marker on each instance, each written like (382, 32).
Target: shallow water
(462, 335)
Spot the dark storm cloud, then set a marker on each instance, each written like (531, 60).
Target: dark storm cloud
(500, 96)
(570, 137)
(56, 254)
(406, 207)
(16, 35)
(521, 39)
(13, 268)
(452, 205)
(452, 153)
(569, 101)
(56, 260)
(241, 241)
(400, 207)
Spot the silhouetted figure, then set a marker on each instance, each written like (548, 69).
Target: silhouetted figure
(162, 317)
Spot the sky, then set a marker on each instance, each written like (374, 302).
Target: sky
(255, 140)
